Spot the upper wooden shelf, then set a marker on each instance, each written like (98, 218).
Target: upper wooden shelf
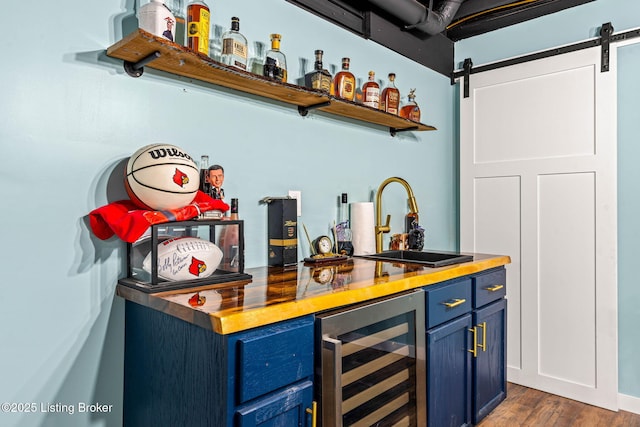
(142, 49)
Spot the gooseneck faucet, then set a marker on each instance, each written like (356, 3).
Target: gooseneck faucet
(381, 229)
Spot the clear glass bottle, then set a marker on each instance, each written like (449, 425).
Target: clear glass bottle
(371, 92)
(178, 10)
(234, 46)
(411, 110)
(343, 232)
(390, 98)
(198, 20)
(275, 66)
(319, 78)
(344, 82)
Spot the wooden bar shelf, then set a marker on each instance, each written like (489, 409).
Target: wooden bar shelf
(141, 49)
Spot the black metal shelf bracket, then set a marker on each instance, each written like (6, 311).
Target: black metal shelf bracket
(305, 110)
(605, 40)
(394, 131)
(135, 69)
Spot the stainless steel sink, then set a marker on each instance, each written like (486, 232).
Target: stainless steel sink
(430, 259)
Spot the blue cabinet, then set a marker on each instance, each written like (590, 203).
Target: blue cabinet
(449, 374)
(466, 348)
(177, 373)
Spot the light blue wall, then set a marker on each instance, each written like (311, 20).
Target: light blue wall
(567, 27)
(69, 117)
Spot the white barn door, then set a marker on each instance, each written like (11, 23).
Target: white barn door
(538, 183)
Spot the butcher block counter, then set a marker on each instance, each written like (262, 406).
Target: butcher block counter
(275, 294)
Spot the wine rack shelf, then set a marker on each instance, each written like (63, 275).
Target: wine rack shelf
(141, 49)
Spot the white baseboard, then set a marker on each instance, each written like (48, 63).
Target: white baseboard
(629, 403)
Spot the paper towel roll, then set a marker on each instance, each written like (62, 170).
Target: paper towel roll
(363, 228)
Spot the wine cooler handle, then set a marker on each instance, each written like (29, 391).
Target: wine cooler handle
(332, 378)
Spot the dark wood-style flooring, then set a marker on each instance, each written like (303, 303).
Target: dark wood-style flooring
(528, 407)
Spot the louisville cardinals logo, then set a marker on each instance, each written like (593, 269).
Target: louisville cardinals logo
(197, 267)
(180, 178)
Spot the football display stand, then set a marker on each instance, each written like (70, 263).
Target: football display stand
(185, 254)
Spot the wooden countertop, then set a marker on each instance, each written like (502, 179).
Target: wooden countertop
(275, 294)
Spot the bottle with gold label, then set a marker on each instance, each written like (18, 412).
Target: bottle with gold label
(411, 111)
(234, 46)
(371, 92)
(275, 66)
(390, 98)
(319, 78)
(344, 83)
(198, 19)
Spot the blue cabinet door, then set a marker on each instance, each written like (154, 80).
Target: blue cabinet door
(449, 374)
(490, 376)
(286, 408)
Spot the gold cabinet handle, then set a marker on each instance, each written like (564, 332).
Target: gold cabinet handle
(313, 411)
(494, 288)
(483, 346)
(454, 302)
(474, 351)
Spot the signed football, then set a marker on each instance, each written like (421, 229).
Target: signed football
(185, 258)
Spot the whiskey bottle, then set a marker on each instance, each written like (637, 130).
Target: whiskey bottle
(198, 18)
(275, 66)
(319, 78)
(344, 83)
(234, 46)
(371, 92)
(390, 98)
(411, 111)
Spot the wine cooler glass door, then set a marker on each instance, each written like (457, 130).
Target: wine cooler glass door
(372, 367)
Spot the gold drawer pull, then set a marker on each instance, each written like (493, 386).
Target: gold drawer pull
(455, 302)
(313, 411)
(494, 288)
(474, 350)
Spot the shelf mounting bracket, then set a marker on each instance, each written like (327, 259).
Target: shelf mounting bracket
(305, 110)
(135, 69)
(394, 131)
(605, 40)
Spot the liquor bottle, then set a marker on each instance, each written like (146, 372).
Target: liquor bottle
(344, 83)
(411, 111)
(371, 92)
(390, 98)
(234, 46)
(343, 232)
(198, 18)
(205, 186)
(177, 8)
(156, 18)
(319, 78)
(275, 66)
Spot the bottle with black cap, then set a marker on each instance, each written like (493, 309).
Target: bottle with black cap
(345, 245)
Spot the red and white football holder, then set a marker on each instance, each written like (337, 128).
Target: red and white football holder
(185, 254)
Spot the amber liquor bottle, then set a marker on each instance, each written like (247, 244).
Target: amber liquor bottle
(411, 111)
(390, 98)
(344, 83)
(371, 92)
(198, 18)
(319, 78)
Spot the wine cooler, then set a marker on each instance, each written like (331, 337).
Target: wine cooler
(371, 363)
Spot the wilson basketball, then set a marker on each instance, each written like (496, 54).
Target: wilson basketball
(161, 176)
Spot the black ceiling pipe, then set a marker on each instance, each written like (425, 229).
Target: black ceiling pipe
(416, 16)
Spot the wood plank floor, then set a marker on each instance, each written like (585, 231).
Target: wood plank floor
(528, 407)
